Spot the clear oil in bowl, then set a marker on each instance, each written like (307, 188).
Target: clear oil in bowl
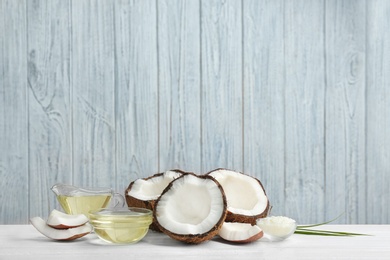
(121, 226)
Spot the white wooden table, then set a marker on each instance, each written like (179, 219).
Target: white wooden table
(24, 242)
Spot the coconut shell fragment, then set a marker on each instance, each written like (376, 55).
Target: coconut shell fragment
(61, 220)
(60, 234)
(240, 233)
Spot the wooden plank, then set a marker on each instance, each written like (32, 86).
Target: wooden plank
(345, 110)
(179, 85)
(93, 93)
(136, 90)
(50, 146)
(378, 112)
(13, 114)
(96, 85)
(304, 110)
(221, 47)
(264, 97)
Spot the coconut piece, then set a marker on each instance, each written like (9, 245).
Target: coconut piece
(246, 197)
(60, 234)
(240, 232)
(60, 220)
(277, 228)
(143, 193)
(191, 209)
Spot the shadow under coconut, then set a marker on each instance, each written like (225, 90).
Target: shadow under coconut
(226, 242)
(49, 240)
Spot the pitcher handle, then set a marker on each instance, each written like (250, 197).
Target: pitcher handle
(118, 199)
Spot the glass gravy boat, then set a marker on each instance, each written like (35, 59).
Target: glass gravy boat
(75, 200)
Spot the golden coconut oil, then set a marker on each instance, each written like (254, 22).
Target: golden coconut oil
(83, 204)
(121, 227)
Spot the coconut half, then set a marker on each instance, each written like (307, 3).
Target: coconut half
(240, 232)
(60, 234)
(246, 197)
(191, 209)
(143, 193)
(60, 220)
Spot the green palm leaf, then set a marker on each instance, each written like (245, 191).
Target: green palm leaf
(304, 230)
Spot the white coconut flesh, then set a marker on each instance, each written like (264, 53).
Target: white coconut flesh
(58, 219)
(151, 188)
(191, 205)
(240, 232)
(244, 194)
(60, 234)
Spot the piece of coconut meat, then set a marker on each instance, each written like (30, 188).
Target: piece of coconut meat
(240, 232)
(191, 209)
(60, 220)
(60, 234)
(246, 197)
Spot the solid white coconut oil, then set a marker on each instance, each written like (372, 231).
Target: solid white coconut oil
(277, 227)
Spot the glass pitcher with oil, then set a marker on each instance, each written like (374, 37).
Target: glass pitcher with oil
(76, 200)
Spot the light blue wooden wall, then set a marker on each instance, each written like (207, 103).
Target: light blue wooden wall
(295, 93)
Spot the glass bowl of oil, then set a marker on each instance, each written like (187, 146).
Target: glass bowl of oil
(121, 225)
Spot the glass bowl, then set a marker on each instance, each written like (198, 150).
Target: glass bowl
(121, 225)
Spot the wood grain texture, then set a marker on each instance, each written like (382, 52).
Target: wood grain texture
(264, 97)
(13, 117)
(93, 93)
(378, 112)
(50, 146)
(221, 47)
(304, 110)
(296, 93)
(136, 91)
(345, 110)
(179, 85)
